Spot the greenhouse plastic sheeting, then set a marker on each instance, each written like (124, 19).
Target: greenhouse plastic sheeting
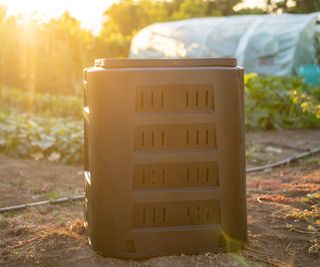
(266, 44)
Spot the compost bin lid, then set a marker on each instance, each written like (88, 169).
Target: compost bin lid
(146, 63)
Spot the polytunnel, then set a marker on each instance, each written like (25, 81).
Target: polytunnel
(265, 44)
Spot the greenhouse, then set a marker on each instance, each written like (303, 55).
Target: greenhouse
(265, 44)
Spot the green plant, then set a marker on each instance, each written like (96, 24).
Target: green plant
(280, 103)
(28, 135)
(308, 103)
(20, 101)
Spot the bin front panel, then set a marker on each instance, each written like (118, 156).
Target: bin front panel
(166, 160)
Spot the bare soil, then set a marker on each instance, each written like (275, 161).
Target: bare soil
(283, 212)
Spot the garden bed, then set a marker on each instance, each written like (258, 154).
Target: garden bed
(283, 212)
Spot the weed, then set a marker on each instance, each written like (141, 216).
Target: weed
(314, 249)
(3, 221)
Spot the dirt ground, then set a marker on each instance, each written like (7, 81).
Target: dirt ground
(283, 212)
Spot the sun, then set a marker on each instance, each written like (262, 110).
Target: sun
(89, 13)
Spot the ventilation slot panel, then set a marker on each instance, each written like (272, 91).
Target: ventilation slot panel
(175, 98)
(170, 214)
(175, 136)
(175, 175)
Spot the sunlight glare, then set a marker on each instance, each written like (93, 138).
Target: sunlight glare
(89, 13)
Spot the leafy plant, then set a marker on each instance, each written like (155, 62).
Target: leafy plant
(280, 103)
(39, 137)
(38, 103)
(308, 103)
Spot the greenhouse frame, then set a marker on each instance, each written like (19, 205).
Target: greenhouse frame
(265, 44)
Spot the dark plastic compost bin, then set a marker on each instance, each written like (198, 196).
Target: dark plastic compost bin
(164, 156)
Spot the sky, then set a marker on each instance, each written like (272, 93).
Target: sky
(89, 12)
(252, 3)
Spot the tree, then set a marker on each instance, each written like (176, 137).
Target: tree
(62, 51)
(293, 6)
(192, 9)
(123, 20)
(10, 50)
(128, 16)
(225, 7)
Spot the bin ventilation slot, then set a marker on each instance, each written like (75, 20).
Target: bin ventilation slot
(175, 175)
(167, 98)
(170, 214)
(86, 217)
(178, 136)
